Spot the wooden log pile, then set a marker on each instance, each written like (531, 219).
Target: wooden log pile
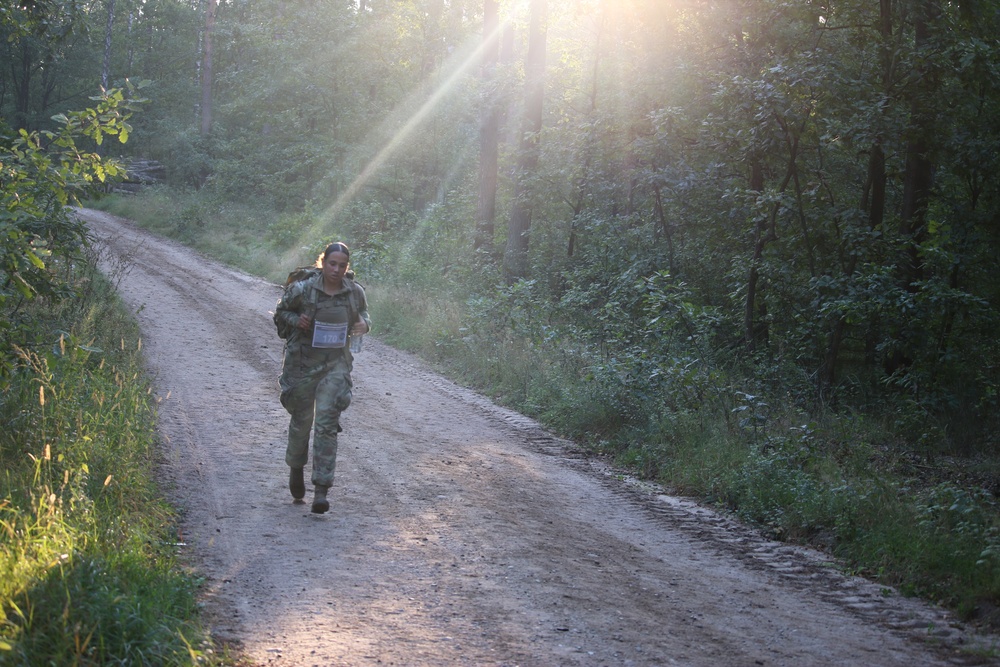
(140, 173)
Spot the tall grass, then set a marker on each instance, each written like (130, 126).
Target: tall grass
(88, 558)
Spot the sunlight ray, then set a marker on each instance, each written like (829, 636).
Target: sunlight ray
(465, 61)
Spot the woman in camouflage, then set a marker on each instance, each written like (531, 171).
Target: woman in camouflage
(321, 313)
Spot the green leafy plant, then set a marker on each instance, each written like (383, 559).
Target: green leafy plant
(41, 173)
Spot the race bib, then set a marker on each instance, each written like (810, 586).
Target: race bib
(329, 334)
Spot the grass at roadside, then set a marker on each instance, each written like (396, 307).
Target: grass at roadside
(842, 483)
(240, 235)
(88, 558)
(926, 523)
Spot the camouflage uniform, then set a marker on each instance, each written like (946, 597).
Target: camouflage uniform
(316, 382)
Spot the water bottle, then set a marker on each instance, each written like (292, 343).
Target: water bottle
(356, 343)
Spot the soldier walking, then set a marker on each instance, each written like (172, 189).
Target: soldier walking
(319, 316)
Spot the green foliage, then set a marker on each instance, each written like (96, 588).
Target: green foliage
(747, 163)
(41, 173)
(290, 228)
(118, 609)
(87, 570)
(969, 516)
(188, 155)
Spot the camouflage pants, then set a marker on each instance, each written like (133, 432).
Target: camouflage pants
(315, 402)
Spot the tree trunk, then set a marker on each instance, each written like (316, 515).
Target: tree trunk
(131, 49)
(918, 170)
(872, 196)
(753, 277)
(873, 203)
(106, 69)
(489, 130)
(582, 181)
(664, 229)
(22, 86)
(765, 231)
(519, 225)
(206, 69)
(433, 37)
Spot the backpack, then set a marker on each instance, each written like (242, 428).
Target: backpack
(285, 330)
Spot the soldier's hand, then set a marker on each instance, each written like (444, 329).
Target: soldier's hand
(304, 321)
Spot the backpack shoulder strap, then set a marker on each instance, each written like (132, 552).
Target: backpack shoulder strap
(302, 275)
(313, 295)
(352, 296)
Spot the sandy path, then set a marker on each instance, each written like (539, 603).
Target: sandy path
(460, 533)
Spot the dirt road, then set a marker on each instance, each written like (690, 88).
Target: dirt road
(460, 533)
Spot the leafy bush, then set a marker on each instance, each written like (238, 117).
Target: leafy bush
(40, 174)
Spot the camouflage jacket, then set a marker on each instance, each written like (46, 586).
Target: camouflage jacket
(303, 296)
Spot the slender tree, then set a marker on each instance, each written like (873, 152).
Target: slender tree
(519, 224)
(873, 193)
(489, 129)
(206, 68)
(106, 69)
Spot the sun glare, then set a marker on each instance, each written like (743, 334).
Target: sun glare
(402, 126)
(462, 61)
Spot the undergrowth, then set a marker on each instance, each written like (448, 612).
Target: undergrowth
(88, 557)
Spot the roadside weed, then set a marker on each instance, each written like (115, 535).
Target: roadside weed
(87, 575)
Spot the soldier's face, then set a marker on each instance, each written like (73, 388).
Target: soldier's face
(335, 266)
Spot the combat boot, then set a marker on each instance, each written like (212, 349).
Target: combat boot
(296, 484)
(320, 503)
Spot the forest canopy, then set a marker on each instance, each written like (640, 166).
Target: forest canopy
(682, 197)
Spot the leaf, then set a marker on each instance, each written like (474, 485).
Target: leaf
(23, 287)
(35, 260)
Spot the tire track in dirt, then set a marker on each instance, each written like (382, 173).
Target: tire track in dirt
(461, 533)
(803, 568)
